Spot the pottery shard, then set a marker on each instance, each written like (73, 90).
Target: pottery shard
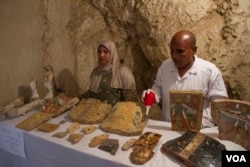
(128, 144)
(75, 137)
(109, 145)
(95, 141)
(60, 134)
(125, 118)
(90, 111)
(89, 129)
(73, 127)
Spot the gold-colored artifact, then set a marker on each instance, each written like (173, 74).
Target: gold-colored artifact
(90, 111)
(125, 118)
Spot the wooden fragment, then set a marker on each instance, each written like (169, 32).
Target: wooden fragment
(48, 127)
(34, 121)
(73, 127)
(75, 137)
(233, 120)
(95, 141)
(89, 129)
(186, 109)
(128, 144)
(195, 149)
(143, 149)
(60, 134)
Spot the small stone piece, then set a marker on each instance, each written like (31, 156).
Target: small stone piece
(60, 134)
(109, 145)
(75, 137)
(73, 127)
(128, 144)
(89, 129)
(95, 141)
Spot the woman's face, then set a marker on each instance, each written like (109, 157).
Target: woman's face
(104, 56)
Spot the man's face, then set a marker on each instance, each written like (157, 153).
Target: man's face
(104, 56)
(182, 52)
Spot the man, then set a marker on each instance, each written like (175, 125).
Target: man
(185, 71)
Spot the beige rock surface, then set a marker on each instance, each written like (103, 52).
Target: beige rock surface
(142, 31)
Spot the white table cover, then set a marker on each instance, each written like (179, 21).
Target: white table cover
(43, 150)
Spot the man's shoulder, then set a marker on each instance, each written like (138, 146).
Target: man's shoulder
(205, 63)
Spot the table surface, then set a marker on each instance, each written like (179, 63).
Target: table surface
(44, 150)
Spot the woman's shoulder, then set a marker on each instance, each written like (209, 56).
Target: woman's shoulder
(124, 68)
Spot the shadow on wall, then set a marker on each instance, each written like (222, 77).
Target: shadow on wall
(25, 92)
(66, 83)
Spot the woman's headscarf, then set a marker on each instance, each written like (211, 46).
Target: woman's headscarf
(112, 67)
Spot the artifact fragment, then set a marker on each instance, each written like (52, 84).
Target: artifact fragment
(22, 110)
(128, 144)
(61, 122)
(186, 109)
(89, 129)
(233, 120)
(148, 139)
(73, 127)
(33, 87)
(141, 155)
(34, 120)
(49, 82)
(195, 149)
(60, 134)
(14, 103)
(90, 111)
(75, 137)
(143, 149)
(48, 127)
(95, 141)
(109, 145)
(60, 104)
(125, 118)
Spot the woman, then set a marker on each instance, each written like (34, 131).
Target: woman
(111, 81)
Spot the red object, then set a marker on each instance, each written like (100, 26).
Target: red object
(149, 99)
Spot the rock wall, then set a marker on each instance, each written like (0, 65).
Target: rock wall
(142, 30)
(69, 31)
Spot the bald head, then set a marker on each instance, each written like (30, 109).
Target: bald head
(184, 36)
(182, 50)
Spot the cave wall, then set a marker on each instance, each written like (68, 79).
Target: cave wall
(142, 30)
(69, 31)
(20, 48)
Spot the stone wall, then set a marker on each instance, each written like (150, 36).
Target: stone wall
(142, 29)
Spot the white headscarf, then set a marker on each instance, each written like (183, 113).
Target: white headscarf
(112, 67)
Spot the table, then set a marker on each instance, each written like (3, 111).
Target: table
(43, 150)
